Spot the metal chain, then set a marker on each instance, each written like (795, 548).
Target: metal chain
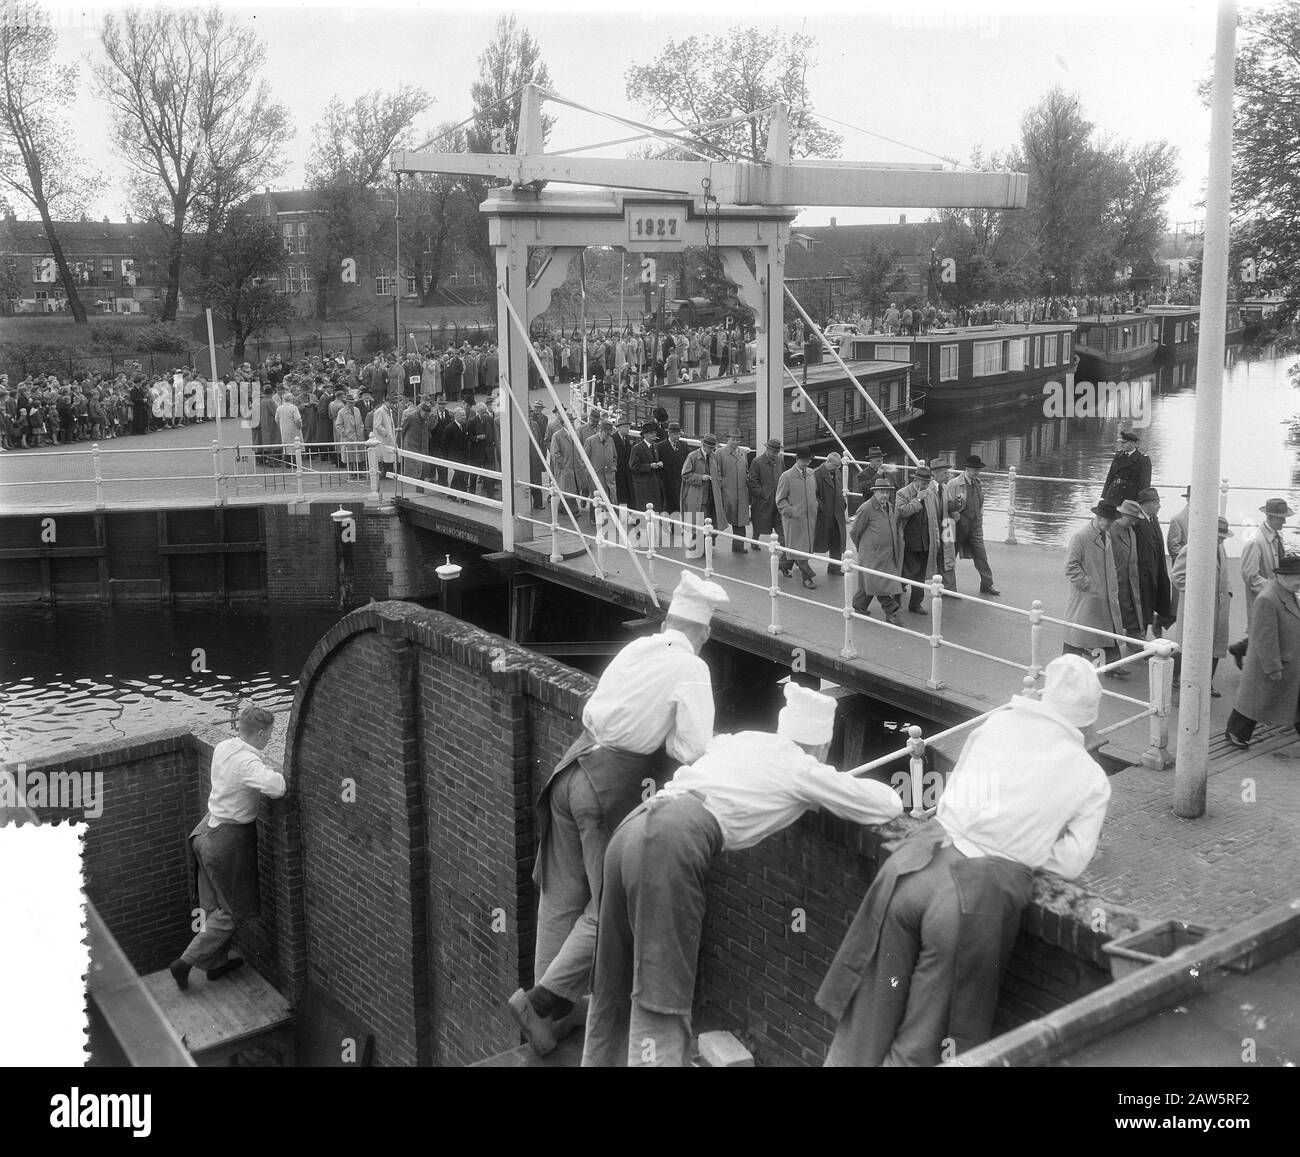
(707, 185)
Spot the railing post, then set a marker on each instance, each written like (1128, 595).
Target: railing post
(849, 651)
(99, 476)
(774, 627)
(1160, 674)
(602, 530)
(708, 548)
(1223, 498)
(372, 462)
(1036, 639)
(936, 631)
(916, 770)
(1011, 506)
(556, 554)
(218, 481)
(297, 465)
(650, 539)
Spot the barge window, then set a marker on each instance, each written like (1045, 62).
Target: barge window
(990, 358)
(893, 353)
(855, 408)
(1065, 348)
(948, 363)
(697, 418)
(1016, 353)
(1049, 350)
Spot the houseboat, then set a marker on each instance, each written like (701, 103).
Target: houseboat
(977, 367)
(718, 405)
(1177, 329)
(1113, 345)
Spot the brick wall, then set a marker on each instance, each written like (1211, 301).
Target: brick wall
(300, 560)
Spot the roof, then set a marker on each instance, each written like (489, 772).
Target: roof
(836, 250)
(80, 238)
(283, 201)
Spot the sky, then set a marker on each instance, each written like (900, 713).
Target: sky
(938, 79)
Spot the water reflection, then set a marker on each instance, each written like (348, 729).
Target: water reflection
(1260, 449)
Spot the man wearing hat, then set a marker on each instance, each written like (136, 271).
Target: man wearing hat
(796, 503)
(1269, 691)
(924, 957)
(747, 787)
(655, 696)
(1176, 536)
(599, 449)
(923, 546)
(1153, 569)
(672, 453)
(764, 473)
(1264, 551)
(1124, 550)
(1094, 589)
(1130, 470)
(877, 535)
(1222, 605)
(831, 532)
(537, 421)
(646, 468)
(702, 484)
(623, 453)
(966, 494)
(735, 490)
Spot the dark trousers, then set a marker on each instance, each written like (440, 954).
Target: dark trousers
(787, 563)
(972, 540)
(738, 546)
(914, 568)
(888, 603)
(1242, 727)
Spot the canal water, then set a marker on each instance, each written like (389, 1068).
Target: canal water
(78, 676)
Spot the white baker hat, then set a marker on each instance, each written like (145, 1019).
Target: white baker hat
(807, 717)
(695, 600)
(1071, 689)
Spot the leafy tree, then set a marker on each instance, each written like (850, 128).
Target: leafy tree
(352, 144)
(191, 119)
(878, 276)
(38, 158)
(511, 60)
(710, 78)
(241, 279)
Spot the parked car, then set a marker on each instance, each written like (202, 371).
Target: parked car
(839, 330)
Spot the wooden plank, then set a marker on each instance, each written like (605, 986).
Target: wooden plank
(101, 539)
(52, 552)
(219, 521)
(163, 560)
(212, 548)
(211, 1015)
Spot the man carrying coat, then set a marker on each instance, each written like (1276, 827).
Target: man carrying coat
(656, 696)
(830, 533)
(877, 535)
(735, 490)
(923, 547)
(745, 788)
(764, 472)
(922, 962)
(796, 502)
(1269, 691)
(1094, 589)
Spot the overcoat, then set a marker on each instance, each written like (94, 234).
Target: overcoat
(1274, 646)
(761, 479)
(646, 490)
(796, 501)
(735, 486)
(1094, 589)
(1223, 603)
(877, 535)
(830, 510)
(695, 477)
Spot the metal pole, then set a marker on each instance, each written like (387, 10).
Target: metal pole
(212, 365)
(397, 283)
(1202, 540)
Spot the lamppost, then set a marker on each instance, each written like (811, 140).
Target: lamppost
(345, 520)
(447, 574)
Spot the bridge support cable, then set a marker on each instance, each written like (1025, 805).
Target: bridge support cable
(567, 422)
(853, 378)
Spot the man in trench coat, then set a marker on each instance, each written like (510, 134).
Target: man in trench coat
(702, 485)
(1222, 606)
(1094, 589)
(1153, 567)
(1270, 682)
(831, 532)
(796, 502)
(877, 535)
(735, 489)
(923, 545)
(764, 471)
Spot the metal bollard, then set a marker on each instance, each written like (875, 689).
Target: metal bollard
(1160, 675)
(650, 540)
(218, 481)
(602, 530)
(1036, 639)
(849, 651)
(916, 769)
(99, 476)
(556, 554)
(297, 466)
(1011, 506)
(774, 627)
(936, 631)
(708, 548)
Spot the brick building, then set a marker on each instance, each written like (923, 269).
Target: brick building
(822, 261)
(117, 266)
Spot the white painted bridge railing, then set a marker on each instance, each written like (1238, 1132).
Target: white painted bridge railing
(650, 533)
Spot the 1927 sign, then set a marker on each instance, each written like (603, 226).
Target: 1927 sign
(655, 227)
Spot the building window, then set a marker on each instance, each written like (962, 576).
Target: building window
(1049, 350)
(948, 363)
(286, 238)
(384, 284)
(304, 272)
(990, 358)
(697, 418)
(291, 280)
(106, 269)
(302, 236)
(824, 405)
(893, 353)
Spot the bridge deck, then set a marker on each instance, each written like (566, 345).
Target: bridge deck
(892, 664)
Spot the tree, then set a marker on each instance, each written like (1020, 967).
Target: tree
(511, 60)
(351, 148)
(241, 279)
(717, 77)
(1266, 148)
(38, 158)
(191, 119)
(433, 208)
(878, 276)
